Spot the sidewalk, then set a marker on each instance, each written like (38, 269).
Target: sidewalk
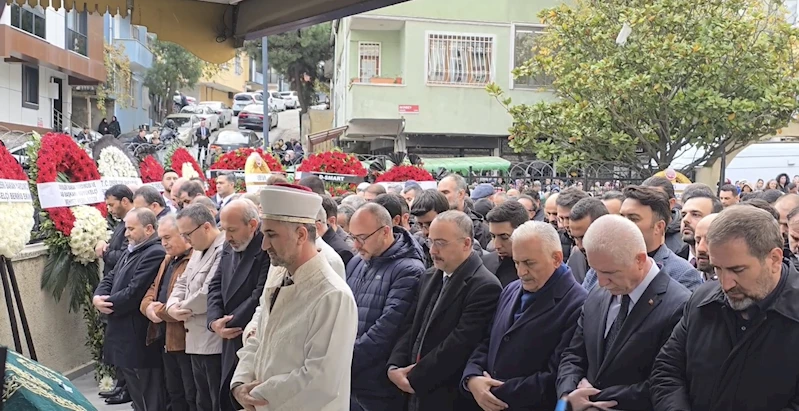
(88, 387)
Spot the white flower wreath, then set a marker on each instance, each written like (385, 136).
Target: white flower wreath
(17, 222)
(90, 227)
(113, 163)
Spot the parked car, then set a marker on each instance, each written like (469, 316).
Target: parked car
(231, 140)
(221, 109)
(176, 99)
(252, 117)
(242, 100)
(212, 120)
(291, 99)
(20, 153)
(187, 125)
(277, 101)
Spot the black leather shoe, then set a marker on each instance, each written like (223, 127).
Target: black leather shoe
(113, 392)
(121, 398)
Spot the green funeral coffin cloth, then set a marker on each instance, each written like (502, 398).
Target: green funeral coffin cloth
(32, 386)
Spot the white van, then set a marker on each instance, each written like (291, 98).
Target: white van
(242, 100)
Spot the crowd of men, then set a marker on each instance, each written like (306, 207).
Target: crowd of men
(450, 298)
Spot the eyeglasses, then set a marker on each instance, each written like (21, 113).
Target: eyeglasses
(361, 239)
(438, 243)
(187, 235)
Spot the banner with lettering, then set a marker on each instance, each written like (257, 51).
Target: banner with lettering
(53, 195)
(330, 177)
(15, 191)
(255, 182)
(158, 186)
(108, 182)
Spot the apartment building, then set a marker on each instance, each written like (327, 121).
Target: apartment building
(427, 62)
(44, 53)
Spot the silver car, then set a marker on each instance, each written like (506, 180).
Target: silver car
(252, 117)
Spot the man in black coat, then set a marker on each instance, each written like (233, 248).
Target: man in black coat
(515, 368)
(502, 221)
(118, 296)
(119, 200)
(457, 300)
(454, 187)
(329, 236)
(237, 285)
(624, 323)
(731, 350)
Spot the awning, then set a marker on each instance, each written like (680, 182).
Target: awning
(364, 128)
(462, 164)
(213, 29)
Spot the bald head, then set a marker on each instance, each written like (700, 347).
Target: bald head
(616, 249)
(551, 209)
(700, 234)
(239, 220)
(242, 208)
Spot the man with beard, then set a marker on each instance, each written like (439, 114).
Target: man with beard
(784, 205)
(732, 336)
(300, 357)
(502, 221)
(551, 210)
(454, 187)
(168, 181)
(426, 207)
(695, 207)
(702, 257)
(174, 194)
(237, 286)
(582, 216)
(119, 296)
(673, 235)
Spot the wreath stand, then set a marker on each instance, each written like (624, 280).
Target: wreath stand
(9, 279)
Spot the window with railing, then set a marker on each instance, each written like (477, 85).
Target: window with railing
(460, 59)
(29, 19)
(77, 38)
(135, 34)
(368, 60)
(524, 48)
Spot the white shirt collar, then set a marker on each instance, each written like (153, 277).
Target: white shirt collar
(639, 291)
(449, 275)
(225, 200)
(691, 255)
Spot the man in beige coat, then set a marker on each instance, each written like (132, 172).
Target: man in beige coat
(189, 298)
(300, 357)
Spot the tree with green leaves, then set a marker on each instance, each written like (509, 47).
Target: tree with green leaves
(299, 56)
(714, 74)
(174, 68)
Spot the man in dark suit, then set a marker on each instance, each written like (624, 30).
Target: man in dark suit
(582, 215)
(203, 136)
(330, 236)
(118, 296)
(502, 221)
(457, 299)
(515, 368)
(236, 287)
(625, 321)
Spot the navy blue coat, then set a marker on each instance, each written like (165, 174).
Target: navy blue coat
(385, 289)
(525, 354)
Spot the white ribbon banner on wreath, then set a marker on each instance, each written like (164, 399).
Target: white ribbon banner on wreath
(108, 182)
(52, 195)
(255, 182)
(158, 186)
(15, 191)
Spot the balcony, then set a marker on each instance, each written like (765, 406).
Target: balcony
(141, 58)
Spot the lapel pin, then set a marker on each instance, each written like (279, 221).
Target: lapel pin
(651, 302)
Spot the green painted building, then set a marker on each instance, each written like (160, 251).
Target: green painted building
(428, 61)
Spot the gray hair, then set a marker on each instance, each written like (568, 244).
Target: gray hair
(355, 201)
(378, 212)
(150, 195)
(460, 182)
(249, 210)
(756, 227)
(614, 235)
(347, 210)
(205, 201)
(543, 232)
(461, 221)
(146, 217)
(168, 219)
(198, 214)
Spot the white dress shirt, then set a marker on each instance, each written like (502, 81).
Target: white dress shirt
(635, 295)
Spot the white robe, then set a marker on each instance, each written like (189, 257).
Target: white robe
(333, 259)
(302, 349)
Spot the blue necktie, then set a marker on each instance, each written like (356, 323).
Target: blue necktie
(527, 300)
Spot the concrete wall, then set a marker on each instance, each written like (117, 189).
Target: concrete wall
(59, 336)
(11, 110)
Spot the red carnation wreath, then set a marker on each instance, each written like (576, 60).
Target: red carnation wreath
(151, 170)
(236, 160)
(59, 154)
(334, 162)
(405, 172)
(182, 156)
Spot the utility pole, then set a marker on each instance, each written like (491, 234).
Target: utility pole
(267, 95)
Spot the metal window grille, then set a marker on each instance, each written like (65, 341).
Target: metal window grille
(459, 60)
(525, 39)
(369, 60)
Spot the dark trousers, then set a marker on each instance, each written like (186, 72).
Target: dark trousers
(207, 371)
(179, 380)
(146, 388)
(363, 401)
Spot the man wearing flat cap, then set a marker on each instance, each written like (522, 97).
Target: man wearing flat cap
(300, 356)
